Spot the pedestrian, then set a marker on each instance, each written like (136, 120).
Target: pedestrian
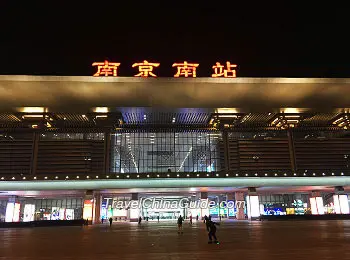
(110, 221)
(140, 219)
(158, 218)
(207, 221)
(197, 217)
(212, 232)
(179, 224)
(102, 219)
(191, 219)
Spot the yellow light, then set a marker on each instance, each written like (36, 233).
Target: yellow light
(48, 124)
(32, 110)
(186, 69)
(101, 110)
(228, 116)
(290, 110)
(34, 126)
(211, 121)
(226, 111)
(145, 69)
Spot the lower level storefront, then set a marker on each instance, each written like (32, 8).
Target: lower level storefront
(100, 206)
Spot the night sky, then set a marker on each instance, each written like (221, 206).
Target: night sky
(277, 41)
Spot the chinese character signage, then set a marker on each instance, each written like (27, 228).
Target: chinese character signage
(181, 69)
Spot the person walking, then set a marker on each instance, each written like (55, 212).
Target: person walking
(191, 219)
(158, 218)
(179, 224)
(140, 219)
(212, 232)
(110, 221)
(197, 217)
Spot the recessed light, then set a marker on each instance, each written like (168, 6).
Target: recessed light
(56, 177)
(96, 177)
(217, 175)
(45, 178)
(24, 178)
(188, 175)
(275, 174)
(13, 178)
(2, 178)
(157, 175)
(177, 175)
(127, 176)
(226, 174)
(107, 176)
(147, 176)
(87, 177)
(237, 174)
(67, 177)
(34, 178)
(77, 177)
(168, 175)
(265, 174)
(138, 176)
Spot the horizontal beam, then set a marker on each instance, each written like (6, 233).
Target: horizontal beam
(173, 183)
(251, 94)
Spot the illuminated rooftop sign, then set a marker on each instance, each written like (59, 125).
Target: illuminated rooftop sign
(148, 69)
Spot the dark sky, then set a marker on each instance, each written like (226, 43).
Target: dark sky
(277, 41)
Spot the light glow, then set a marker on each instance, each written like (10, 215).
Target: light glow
(186, 69)
(106, 68)
(219, 70)
(145, 69)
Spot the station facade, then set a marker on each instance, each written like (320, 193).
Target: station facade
(83, 147)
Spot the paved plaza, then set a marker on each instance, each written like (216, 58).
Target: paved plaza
(238, 240)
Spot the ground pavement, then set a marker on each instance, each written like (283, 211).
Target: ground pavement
(152, 240)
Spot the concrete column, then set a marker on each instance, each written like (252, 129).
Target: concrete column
(204, 202)
(340, 200)
(134, 211)
(107, 153)
(239, 204)
(226, 150)
(291, 150)
(316, 203)
(34, 157)
(88, 207)
(231, 199)
(253, 205)
(97, 208)
(12, 210)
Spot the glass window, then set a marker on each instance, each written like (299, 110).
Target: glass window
(163, 152)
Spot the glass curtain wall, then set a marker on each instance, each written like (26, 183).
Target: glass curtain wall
(165, 152)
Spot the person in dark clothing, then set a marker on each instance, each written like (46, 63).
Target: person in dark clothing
(191, 219)
(110, 221)
(140, 219)
(206, 221)
(179, 224)
(212, 232)
(197, 217)
(158, 218)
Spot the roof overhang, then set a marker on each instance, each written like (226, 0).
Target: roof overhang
(174, 183)
(76, 94)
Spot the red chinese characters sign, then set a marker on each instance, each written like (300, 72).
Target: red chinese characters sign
(183, 69)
